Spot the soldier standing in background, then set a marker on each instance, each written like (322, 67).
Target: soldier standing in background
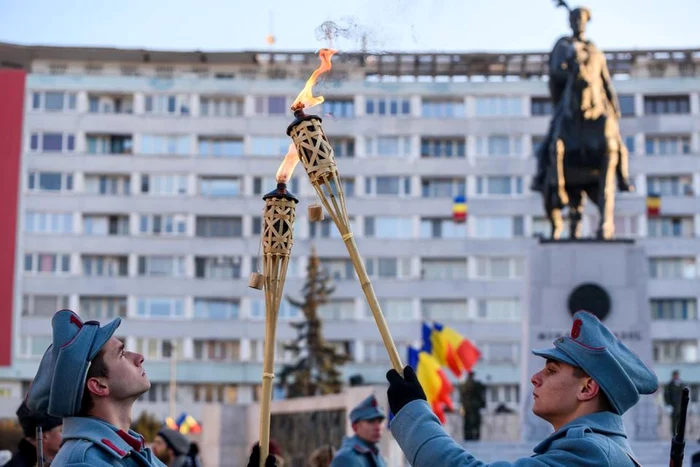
(472, 394)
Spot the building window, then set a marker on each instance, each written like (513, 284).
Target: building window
(388, 146)
(675, 351)
(220, 147)
(392, 186)
(495, 106)
(326, 228)
(673, 268)
(443, 269)
(337, 310)
(102, 308)
(53, 101)
(627, 105)
(444, 310)
(111, 144)
(158, 349)
(48, 222)
(272, 146)
(219, 186)
(678, 185)
(216, 308)
(219, 227)
(499, 145)
(675, 309)
(50, 181)
(110, 104)
(499, 185)
(501, 309)
(394, 309)
(43, 305)
(670, 227)
(657, 105)
(388, 227)
(388, 268)
(387, 106)
(541, 106)
(46, 263)
(171, 145)
(108, 184)
(442, 228)
(162, 266)
(217, 267)
(217, 350)
(164, 184)
(33, 346)
(160, 307)
(220, 107)
(105, 225)
(271, 105)
(494, 267)
(443, 187)
(443, 108)
(667, 145)
(263, 185)
(376, 353)
(338, 108)
(165, 104)
(343, 147)
(501, 352)
(541, 227)
(499, 227)
(442, 147)
(52, 142)
(338, 269)
(105, 266)
(157, 224)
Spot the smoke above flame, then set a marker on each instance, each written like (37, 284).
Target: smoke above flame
(306, 99)
(284, 173)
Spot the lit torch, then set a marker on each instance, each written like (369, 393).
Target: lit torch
(277, 240)
(316, 154)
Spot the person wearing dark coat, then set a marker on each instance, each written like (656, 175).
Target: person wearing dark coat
(26, 455)
(175, 450)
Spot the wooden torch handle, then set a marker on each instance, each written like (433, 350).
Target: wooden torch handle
(266, 397)
(373, 302)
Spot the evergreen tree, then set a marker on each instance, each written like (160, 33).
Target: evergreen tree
(315, 369)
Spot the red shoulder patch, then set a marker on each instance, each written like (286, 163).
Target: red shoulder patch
(111, 445)
(576, 329)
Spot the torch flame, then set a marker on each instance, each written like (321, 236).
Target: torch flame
(306, 99)
(284, 173)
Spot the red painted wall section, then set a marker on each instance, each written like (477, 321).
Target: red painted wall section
(11, 115)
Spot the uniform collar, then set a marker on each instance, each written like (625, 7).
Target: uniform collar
(102, 434)
(605, 423)
(362, 446)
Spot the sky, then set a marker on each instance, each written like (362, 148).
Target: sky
(389, 25)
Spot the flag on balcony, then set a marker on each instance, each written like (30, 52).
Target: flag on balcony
(459, 209)
(653, 205)
(435, 384)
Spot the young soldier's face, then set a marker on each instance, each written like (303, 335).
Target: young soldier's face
(369, 430)
(127, 378)
(555, 391)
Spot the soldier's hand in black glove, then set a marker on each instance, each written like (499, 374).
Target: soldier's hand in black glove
(254, 460)
(403, 390)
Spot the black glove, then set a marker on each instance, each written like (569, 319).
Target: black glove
(254, 460)
(403, 390)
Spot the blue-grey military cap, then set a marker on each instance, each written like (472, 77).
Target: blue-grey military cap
(58, 386)
(621, 374)
(368, 409)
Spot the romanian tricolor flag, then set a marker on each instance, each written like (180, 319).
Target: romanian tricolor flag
(436, 386)
(653, 205)
(185, 424)
(451, 349)
(459, 209)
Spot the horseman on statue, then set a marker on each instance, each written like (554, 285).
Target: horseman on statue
(583, 153)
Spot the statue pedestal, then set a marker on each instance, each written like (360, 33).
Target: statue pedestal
(607, 278)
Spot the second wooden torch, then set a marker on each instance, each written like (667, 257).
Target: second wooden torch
(277, 239)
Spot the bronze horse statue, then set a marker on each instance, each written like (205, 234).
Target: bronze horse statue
(583, 153)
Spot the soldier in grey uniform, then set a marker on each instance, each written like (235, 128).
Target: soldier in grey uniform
(361, 450)
(589, 380)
